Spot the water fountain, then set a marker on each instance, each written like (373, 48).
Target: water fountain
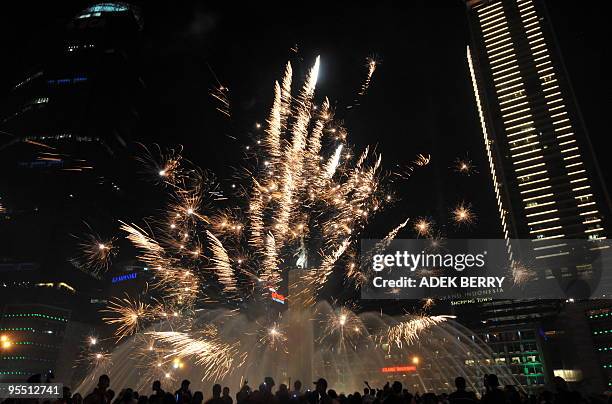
(344, 347)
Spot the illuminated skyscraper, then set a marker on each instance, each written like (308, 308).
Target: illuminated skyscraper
(544, 172)
(66, 131)
(545, 176)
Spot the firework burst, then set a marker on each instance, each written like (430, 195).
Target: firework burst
(127, 314)
(428, 303)
(343, 328)
(464, 166)
(96, 362)
(521, 273)
(273, 337)
(463, 215)
(423, 227)
(302, 205)
(95, 254)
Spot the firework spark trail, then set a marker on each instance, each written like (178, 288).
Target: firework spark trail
(360, 274)
(408, 331)
(95, 254)
(222, 264)
(422, 160)
(314, 141)
(332, 164)
(164, 167)
(128, 315)
(153, 253)
(313, 161)
(216, 357)
(371, 64)
(328, 262)
(405, 172)
(275, 127)
(175, 281)
(270, 275)
(285, 105)
(256, 220)
(293, 164)
(221, 94)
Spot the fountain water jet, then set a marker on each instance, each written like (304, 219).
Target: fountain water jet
(344, 347)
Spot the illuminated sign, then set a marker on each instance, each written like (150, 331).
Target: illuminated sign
(121, 278)
(396, 369)
(277, 297)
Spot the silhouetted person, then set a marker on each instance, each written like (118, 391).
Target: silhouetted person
(266, 392)
(395, 394)
(77, 398)
(512, 395)
(334, 397)
(368, 397)
(157, 388)
(243, 395)
(183, 395)
(494, 394)
(197, 398)
(168, 399)
(319, 396)
(282, 395)
(429, 398)
(562, 393)
(297, 390)
(126, 397)
(98, 395)
(158, 393)
(461, 396)
(227, 399)
(216, 395)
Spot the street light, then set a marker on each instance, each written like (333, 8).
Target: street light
(415, 360)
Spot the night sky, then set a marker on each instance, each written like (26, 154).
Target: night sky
(420, 99)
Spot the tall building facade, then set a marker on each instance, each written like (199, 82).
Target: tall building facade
(42, 324)
(544, 173)
(66, 130)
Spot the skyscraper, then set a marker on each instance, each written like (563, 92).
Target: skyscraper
(544, 173)
(65, 131)
(545, 176)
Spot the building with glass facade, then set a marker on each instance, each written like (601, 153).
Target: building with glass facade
(544, 173)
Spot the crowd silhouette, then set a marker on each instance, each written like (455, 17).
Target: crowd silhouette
(390, 393)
